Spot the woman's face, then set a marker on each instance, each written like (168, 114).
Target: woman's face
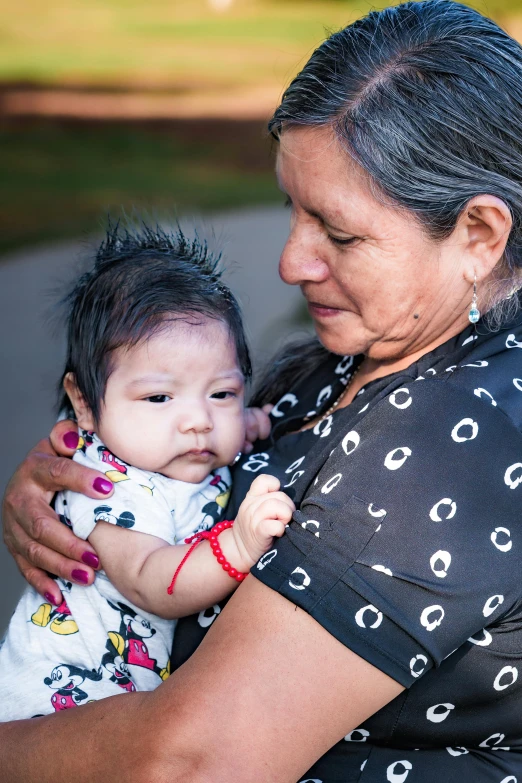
(374, 282)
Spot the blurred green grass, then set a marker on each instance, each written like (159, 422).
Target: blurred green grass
(173, 42)
(60, 180)
(164, 42)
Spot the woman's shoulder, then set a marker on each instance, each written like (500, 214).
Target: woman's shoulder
(490, 371)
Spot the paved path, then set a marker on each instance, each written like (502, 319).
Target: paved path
(31, 356)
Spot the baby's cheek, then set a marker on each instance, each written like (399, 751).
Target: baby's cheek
(136, 438)
(235, 433)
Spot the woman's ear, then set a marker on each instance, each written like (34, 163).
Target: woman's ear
(486, 223)
(81, 409)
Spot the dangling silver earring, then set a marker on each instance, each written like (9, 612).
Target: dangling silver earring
(474, 312)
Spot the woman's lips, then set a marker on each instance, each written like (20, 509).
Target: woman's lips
(317, 310)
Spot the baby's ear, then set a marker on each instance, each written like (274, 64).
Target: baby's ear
(83, 413)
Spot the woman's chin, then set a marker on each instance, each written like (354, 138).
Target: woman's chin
(341, 339)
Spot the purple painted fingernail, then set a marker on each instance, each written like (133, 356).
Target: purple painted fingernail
(80, 576)
(71, 439)
(90, 559)
(101, 485)
(50, 598)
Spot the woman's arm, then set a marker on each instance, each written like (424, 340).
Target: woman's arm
(33, 534)
(141, 566)
(244, 707)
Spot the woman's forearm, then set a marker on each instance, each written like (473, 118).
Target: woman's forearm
(233, 711)
(113, 739)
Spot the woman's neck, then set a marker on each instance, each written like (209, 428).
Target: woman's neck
(371, 369)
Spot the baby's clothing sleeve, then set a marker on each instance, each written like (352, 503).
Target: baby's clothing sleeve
(137, 503)
(143, 501)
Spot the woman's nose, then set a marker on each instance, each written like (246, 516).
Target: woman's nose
(300, 261)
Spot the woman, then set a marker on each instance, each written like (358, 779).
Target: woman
(400, 152)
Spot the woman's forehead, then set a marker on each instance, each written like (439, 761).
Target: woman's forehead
(308, 146)
(313, 168)
(317, 152)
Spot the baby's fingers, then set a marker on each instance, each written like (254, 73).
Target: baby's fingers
(273, 528)
(273, 508)
(280, 497)
(257, 427)
(262, 485)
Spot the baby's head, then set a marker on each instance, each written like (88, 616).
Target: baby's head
(156, 354)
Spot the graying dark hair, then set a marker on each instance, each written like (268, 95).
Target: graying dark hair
(427, 98)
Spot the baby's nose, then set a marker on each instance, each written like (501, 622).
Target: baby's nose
(196, 418)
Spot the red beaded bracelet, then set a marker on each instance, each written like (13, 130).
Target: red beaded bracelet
(212, 536)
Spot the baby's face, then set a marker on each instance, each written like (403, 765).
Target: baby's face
(174, 404)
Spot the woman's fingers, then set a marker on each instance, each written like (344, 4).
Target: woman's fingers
(32, 532)
(52, 547)
(40, 580)
(64, 437)
(52, 474)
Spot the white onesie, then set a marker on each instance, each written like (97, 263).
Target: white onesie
(96, 643)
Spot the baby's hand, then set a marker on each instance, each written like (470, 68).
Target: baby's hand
(263, 514)
(257, 426)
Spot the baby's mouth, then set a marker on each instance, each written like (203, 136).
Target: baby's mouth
(199, 455)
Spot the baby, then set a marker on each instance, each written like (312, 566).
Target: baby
(155, 373)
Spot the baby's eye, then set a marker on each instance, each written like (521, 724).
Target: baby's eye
(158, 398)
(223, 395)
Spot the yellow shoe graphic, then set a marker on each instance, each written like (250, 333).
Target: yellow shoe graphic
(222, 498)
(117, 641)
(165, 673)
(41, 616)
(115, 476)
(64, 627)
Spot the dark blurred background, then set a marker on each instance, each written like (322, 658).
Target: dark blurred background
(111, 106)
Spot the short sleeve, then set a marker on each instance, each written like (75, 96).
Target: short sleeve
(407, 543)
(136, 504)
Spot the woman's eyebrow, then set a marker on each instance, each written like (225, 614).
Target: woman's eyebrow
(312, 212)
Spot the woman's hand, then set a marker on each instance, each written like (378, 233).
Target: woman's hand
(33, 534)
(257, 426)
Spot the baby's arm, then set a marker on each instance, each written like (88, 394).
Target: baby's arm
(141, 566)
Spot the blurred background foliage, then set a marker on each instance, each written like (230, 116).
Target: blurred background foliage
(125, 103)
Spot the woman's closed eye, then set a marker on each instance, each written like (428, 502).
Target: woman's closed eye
(338, 241)
(342, 241)
(158, 398)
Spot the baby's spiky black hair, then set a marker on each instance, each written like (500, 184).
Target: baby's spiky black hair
(141, 278)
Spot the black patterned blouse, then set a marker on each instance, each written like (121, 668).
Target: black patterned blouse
(407, 547)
